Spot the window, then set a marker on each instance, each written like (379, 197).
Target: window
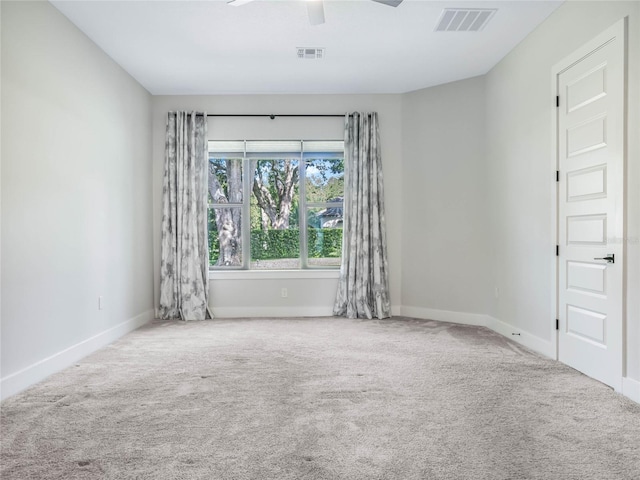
(275, 205)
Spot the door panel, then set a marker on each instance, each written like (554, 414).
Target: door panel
(590, 147)
(586, 184)
(587, 324)
(586, 278)
(586, 89)
(586, 229)
(587, 136)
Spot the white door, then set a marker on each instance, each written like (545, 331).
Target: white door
(590, 154)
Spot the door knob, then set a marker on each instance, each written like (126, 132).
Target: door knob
(610, 258)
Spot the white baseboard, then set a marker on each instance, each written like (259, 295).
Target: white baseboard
(631, 389)
(22, 379)
(258, 312)
(261, 312)
(524, 338)
(533, 342)
(445, 316)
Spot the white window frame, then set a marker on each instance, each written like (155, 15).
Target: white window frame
(305, 270)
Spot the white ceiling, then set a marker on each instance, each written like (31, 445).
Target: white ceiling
(209, 47)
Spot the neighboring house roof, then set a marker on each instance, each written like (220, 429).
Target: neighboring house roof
(335, 212)
(331, 217)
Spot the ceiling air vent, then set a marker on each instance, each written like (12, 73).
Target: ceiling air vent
(464, 19)
(310, 52)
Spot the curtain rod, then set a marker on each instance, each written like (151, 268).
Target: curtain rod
(272, 116)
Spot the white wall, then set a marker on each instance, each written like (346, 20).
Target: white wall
(307, 296)
(76, 195)
(519, 144)
(445, 240)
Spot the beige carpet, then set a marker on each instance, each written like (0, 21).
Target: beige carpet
(319, 398)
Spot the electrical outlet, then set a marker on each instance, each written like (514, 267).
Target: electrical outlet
(284, 293)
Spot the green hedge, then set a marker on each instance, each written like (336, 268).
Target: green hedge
(266, 245)
(326, 243)
(274, 244)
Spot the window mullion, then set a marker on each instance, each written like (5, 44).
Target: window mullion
(302, 209)
(246, 209)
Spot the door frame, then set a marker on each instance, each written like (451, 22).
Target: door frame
(618, 29)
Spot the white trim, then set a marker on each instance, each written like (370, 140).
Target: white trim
(533, 342)
(22, 379)
(631, 389)
(271, 274)
(262, 312)
(555, 165)
(537, 344)
(445, 315)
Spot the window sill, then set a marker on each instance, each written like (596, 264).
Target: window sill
(271, 274)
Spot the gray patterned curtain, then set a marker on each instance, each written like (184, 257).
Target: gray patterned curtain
(184, 267)
(363, 288)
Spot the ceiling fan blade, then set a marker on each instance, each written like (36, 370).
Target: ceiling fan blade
(315, 9)
(237, 3)
(391, 3)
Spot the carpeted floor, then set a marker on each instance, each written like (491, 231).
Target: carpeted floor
(321, 398)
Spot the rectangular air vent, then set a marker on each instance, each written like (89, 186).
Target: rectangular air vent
(464, 19)
(310, 52)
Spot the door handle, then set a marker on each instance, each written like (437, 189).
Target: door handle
(610, 258)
